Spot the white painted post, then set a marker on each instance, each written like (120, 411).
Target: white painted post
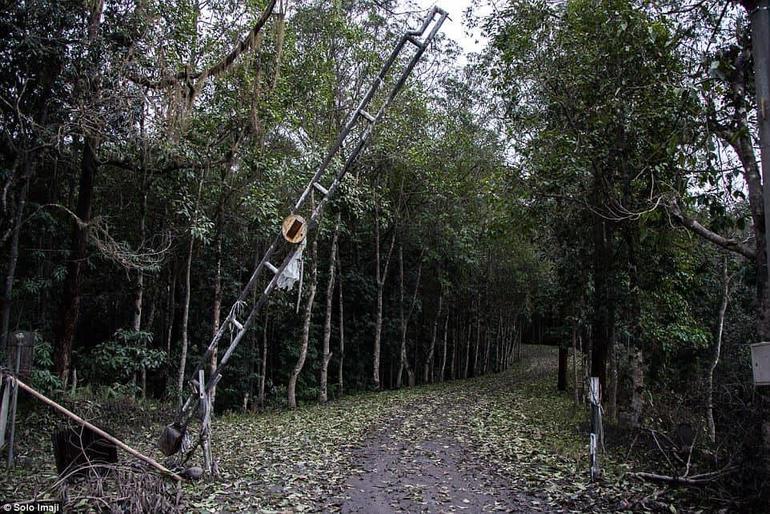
(596, 423)
(205, 407)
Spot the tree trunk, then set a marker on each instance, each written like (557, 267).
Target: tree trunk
(13, 253)
(327, 355)
(562, 377)
(716, 352)
(185, 320)
(604, 313)
(478, 343)
(341, 365)
(170, 308)
(404, 318)
(381, 275)
(468, 350)
(443, 353)
(637, 387)
(612, 401)
(760, 26)
(263, 366)
(149, 323)
(69, 307)
(453, 367)
(403, 361)
(216, 306)
(291, 389)
(576, 380)
(428, 368)
(136, 319)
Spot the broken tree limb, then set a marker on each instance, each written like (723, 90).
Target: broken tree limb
(693, 481)
(77, 419)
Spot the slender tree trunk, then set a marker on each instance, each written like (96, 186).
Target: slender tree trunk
(443, 353)
(13, 254)
(716, 352)
(136, 321)
(403, 361)
(252, 362)
(327, 355)
(453, 367)
(216, 306)
(478, 343)
(69, 307)
(170, 308)
(488, 349)
(576, 380)
(263, 366)
(185, 320)
(496, 364)
(428, 368)
(468, 350)
(152, 311)
(612, 408)
(381, 275)
(291, 389)
(586, 363)
(341, 365)
(404, 317)
(562, 380)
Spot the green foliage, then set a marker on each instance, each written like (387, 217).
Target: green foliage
(120, 358)
(42, 377)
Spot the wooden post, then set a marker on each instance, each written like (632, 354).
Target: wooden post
(596, 428)
(204, 410)
(5, 400)
(14, 401)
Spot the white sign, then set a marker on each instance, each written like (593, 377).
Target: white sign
(760, 363)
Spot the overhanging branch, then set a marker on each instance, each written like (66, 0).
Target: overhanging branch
(223, 65)
(693, 226)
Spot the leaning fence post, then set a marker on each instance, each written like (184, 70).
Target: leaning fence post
(596, 428)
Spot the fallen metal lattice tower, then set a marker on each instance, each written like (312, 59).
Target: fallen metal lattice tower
(286, 243)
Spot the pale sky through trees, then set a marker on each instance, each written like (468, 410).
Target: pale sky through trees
(456, 27)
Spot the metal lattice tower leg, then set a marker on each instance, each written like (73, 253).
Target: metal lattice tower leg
(360, 118)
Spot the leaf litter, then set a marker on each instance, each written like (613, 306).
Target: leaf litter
(505, 442)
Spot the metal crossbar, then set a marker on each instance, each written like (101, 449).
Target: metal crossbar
(430, 27)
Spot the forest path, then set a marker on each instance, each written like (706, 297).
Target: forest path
(421, 460)
(459, 446)
(501, 442)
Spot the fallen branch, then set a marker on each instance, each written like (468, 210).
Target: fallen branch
(693, 481)
(77, 419)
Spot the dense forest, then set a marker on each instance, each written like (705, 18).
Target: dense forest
(589, 179)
